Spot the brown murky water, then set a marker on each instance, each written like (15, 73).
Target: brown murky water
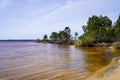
(33, 61)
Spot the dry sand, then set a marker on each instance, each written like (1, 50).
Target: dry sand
(115, 75)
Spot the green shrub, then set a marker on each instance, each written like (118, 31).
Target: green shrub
(38, 41)
(78, 43)
(85, 40)
(116, 45)
(83, 43)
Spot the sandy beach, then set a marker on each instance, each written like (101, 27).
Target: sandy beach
(110, 72)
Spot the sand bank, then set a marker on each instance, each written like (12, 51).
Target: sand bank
(110, 72)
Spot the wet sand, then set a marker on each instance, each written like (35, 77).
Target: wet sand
(110, 72)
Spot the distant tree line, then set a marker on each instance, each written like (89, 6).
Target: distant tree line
(99, 29)
(61, 37)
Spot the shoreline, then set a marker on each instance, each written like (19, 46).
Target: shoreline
(109, 72)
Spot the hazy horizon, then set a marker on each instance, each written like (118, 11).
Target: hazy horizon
(28, 19)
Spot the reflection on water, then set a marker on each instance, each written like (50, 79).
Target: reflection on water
(30, 60)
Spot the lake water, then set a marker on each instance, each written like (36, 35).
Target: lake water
(30, 60)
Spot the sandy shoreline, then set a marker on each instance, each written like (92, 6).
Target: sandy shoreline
(110, 72)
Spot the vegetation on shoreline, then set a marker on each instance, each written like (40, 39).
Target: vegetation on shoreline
(116, 45)
(99, 29)
(61, 37)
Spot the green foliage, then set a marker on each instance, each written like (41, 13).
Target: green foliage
(98, 28)
(78, 43)
(116, 45)
(83, 42)
(86, 39)
(67, 30)
(76, 35)
(45, 37)
(116, 29)
(62, 37)
(54, 36)
(38, 40)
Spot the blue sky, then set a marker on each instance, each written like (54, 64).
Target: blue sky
(31, 19)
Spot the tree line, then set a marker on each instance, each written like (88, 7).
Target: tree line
(99, 29)
(61, 37)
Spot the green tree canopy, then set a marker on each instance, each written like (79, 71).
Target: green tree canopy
(76, 35)
(116, 28)
(98, 27)
(54, 36)
(63, 36)
(67, 30)
(45, 37)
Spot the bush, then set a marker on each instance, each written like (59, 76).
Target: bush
(102, 44)
(83, 43)
(78, 43)
(38, 41)
(86, 40)
(116, 45)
